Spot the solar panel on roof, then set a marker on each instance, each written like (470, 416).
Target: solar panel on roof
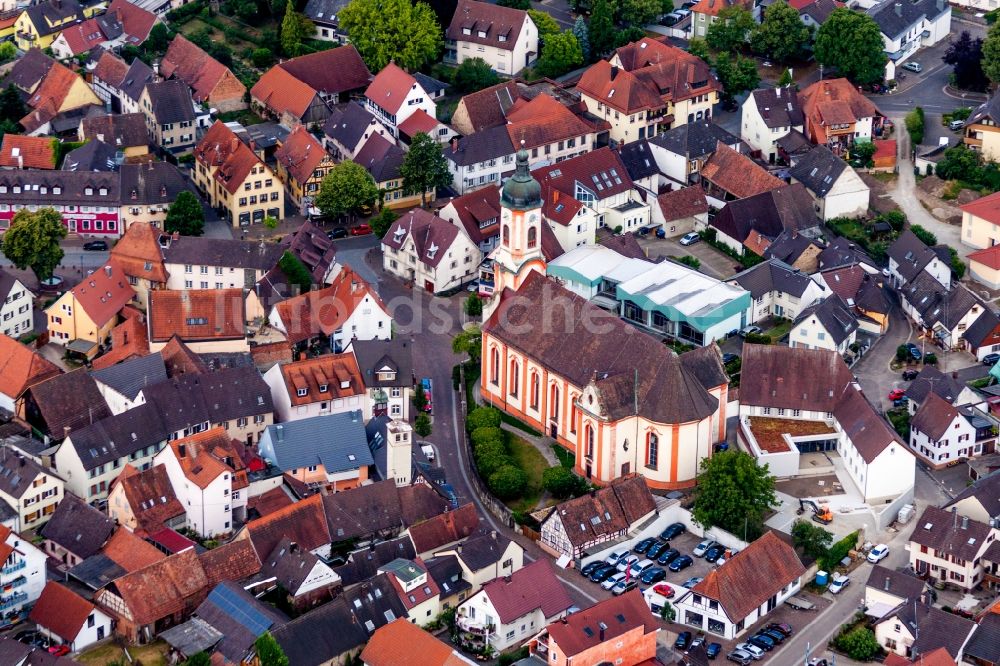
(236, 608)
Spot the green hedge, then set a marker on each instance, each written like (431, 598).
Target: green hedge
(839, 551)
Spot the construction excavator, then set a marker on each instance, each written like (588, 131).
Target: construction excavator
(821, 512)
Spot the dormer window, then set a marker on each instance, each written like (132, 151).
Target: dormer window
(482, 34)
(88, 191)
(345, 384)
(302, 392)
(56, 190)
(323, 388)
(466, 31)
(103, 191)
(135, 194)
(502, 38)
(17, 189)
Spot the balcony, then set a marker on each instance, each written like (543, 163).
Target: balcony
(13, 600)
(17, 566)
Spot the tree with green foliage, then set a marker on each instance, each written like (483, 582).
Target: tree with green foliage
(782, 35)
(158, 40)
(786, 79)
(346, 189)
(470, 341)
(11, 106)
(199, 659)
(295, 271)
(474, 74)
(902, 353)
(560, 54)
(925, 237)
(736, 74)
(481, 436)
(734, 493)
(422, 425)
(629, 34)
(965, 55)
(960, 163)
(262, 58)
(562, 483)
(419, 398)
(524, 5)
(958, 266)
(483, 417)
(271, 222)
(508, 482)
(914, 122)
(473, 306)
(859, 644)
(185, 216)
(295, 29)
(269, 653)
(32, 241)
(991, 54)
(7, 51)
(384, 30)
(731, 30)
(424, 167)
(491, 456)
(601, 28)
(582, 37)
(863, 151)
(382, 222)
(697, 46)
(851, 42)
(546, 25)
(638, 13)
(813, 540)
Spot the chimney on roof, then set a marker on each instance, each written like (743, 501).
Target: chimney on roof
(954, 374)
(965, 522)
(20, 161)
(292, 547)
(493, 533)
(107, 271)
(156, 69)
(454, 144)
(602, 627)
(954, 515)
(302, 356)
(886, 583)
(777, 92)
(182, 450)
(899, 9)
(279, 432)
(66, 430)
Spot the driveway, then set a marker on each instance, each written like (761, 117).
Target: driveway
(713, 263)
(873, 371)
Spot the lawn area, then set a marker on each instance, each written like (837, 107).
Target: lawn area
(154, 654)
(778, 331)
(529, 459)
(566, 458)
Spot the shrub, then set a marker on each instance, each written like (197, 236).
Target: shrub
(839, 551)
(483, 417)
(508, 482)
(486, 434)
(859, 644)
(422, 425)
(902, 353)
(473, 306)
(895, 218)
(758, 339)
(915, 126)
(926, 237)
(562, 482)
(688, 260)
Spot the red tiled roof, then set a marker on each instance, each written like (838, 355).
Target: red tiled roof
(402, 642)
(20, 367)
(129, 551)
(103, 293)
(162, 589)
(173, 541)
(417, 595)
(542, 121)
(61, 611)
(934, 417)
(989, 257)
(281, 92)
(531, 588)
(419, 121)
(330, 370)
(713, 7)
(303, 522)
(269, 502)
(737, 174)
(136, 21)
(603, 164)
(300, 154)
(619, 616)
(445, 528)
(28, 152)
(477, 208)
(49, 96)
(331, 71)
(233, 561)
(673, 72)
(223, 149)
(493, 21)
(82, 37)
(884, 149)
(685, 202)
(110, 68)
(324, 310)
(150, 496)
(757, 242)
(194, 67)
(427, 230)
(619, 89)
(986, 208)
(833, 101)
(180, 360)
(752, 576)
(199, 314)
(390, 87)
(138, 248)
(201, 456)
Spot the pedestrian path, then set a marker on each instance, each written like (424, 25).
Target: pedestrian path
(543, 444)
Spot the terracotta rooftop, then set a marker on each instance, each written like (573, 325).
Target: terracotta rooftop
(445, 528)
(203, 457)
(20, 367)
(136, 21)
(103, 293)
(28, 152)
(162, 589)
(737, 174)
(61, 611)
(833, 101)
(193, 66)
(769, 432)
(542, 121)
(300, 154)
(323, 311)
(138, 253)
(533, 587)
(282, 92)
(604, 622)
(989, 257)
(129, 551)
(986, 208)
(402, 642)
(326, 377)
(200, 314)
(304, 522)
(389, 88)
(221, 148)
(150, 496)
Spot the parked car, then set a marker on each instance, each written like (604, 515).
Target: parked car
(914, 351)
(913, 66)
(702, 548)
(623, 586)
(612, 580)
(668, 556)
(639, 567)
(786, 629)
(697, 642)
(643, 546)
(683, 11)
(361, 230)
(901, 402)
(839, 582)
(96, 245)
(690, 239)
(626, 562)
(753, 650)
(722, 560)
(661, 232)
(956, 125)
(589, 569)
(25, 636)
(911, 374)
(896, 394)
(656, 549)
(670, 19)
(682, 562)
(691, 582)
(673, 531)
(683, 640)
(749, 330)
(338, 232)
(59, 650)
(653, 575)
(766, 643)
(878, 553)
(991, 359)
(604, 573)
(775, 636)
(728, 358)
(713, 650)
(740, 657)
(472, 287)
(428, 387)
(715, 552)
(664, 590)
(616, 556)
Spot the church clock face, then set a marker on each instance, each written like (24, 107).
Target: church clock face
(533, 218)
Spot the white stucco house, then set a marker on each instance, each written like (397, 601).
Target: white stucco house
(394, 95)
(907, 26)
(430, 252)
(327, 384)
(830, 324)
(506, 38)
(949, 548)
(769, 114)
(22, 577)
(15, 306)
(835, 187)
(65, 617)
(909, 257)
(778, 290)
(942, 433)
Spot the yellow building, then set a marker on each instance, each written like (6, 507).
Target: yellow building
(39, 25)
(982, 129)
(302, 164)
(234, 179)
(981, 222)
(87, 312)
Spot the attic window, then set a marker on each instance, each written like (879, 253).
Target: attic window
(928, 526)
(482, 34)
(196, 321)
(466, 31)
(595, 520)
(589, 632)
(357, 603)
(323, 388)
(345, 384)
(972, 541)
(351, 457)
(502, 38)
(301, 392)
(432, 250)
(57, 190)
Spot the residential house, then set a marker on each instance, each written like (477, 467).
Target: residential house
(124, 132)
(391, 444)
(66, 618)
(400, 641)
(862, 292)
(981, 134)
(147, 191)
(227, 171)
(172, 118)
(16, 318)
(383, 160)
(619, 628)
(22, 577)
(80, 38)
(82, 318)
(393, 96)
(506, 38)
(486, 108)
(20, 367)
(323, 14)
(981, 221)
(348, 128)
(210, 480)
(477, 214)
(326, 384)
(39, 25)
(906, 26)
(941, 433)
(815, 13)
(34, 491)
(630, 104)
(206, 320)
(982, 647)
(752, 224)
(213, 263)
(315, 250)
(680, 212)
(416, 589)
(136, 22)
(128, 341)
(510, 610)
(728, 175)
(387, 372)
(549, 130)
(92, 156)
(447, 529)
(302, 164)
(60, 404)
(306, 580)
(685, 83)
(753, 583)
(577, 525)
(483, 557)
(778, 290)
(768, 115)
(303, 522)
(909, 257)
(329, 451)
(983, 336)
(75, 531)
(979, 500)
(706, 12)
(837, 115)
(931, 380)
(140, 257)
(425, 250)
(943, 316)
(59, 91)
(480, 159)
(211, 82)
(835, 187)
(145, 501)
(27, 152)
(888, 588)
(107, 74)
(984, 266)
(828, 324)
(347, 309)
(918, 630)
(123, 89)
(809, 398)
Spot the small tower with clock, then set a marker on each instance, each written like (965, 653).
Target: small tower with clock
(520, 249)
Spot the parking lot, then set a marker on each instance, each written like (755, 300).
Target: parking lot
(713, 263)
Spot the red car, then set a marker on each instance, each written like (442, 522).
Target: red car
(664, 589)
(59, 650)
(361, 230)
(896, 394)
